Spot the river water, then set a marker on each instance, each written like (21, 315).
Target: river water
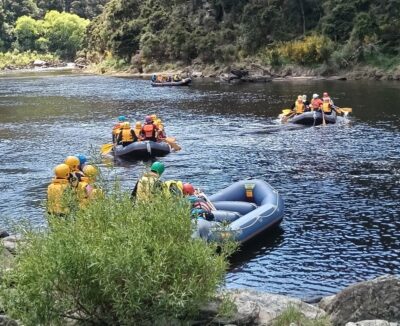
(340, 183)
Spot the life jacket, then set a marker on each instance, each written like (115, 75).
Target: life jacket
(55, 193)
(200, 208)
(117, 128)
(137, 131)
(176, 78)
(299, 107)
(326, 107)
(147, 186)
(126, 136)
(87, 191)
(316, 103)
(174, 187)
(149, 131)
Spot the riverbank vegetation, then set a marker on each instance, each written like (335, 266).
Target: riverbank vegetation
(114, 263)
(335, 34)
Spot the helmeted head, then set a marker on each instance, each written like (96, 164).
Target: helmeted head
(121, 118)
(325, 94)
(188, 189)
(300, 98)
(158, 122)
(126, 125)
(153, 117)
(157, 167)
(148, 119)
(138, 125)
(304, 98)
(62, 171)
(90, 171)
(72, 162)
(315, 95)
(82, 159)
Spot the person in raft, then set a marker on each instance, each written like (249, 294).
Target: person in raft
(316, 103)
(149, 130)
(149, 183)
(299, 107)
(126, 136)
(117, 128)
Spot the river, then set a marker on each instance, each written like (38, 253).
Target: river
(340, 183)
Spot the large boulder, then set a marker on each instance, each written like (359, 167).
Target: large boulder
(374, 299)
(273, 305)
(3, 234)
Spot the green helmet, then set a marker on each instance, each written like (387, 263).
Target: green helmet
(158, 167)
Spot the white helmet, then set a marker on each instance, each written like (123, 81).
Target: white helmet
(304, 97)
(315, 96)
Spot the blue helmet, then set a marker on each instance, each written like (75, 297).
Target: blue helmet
(121, 118)
(82, 159)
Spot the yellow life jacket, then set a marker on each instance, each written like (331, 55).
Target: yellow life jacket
(127, 135)
(326, 107)
(299, 108)
(55, 192)
(173, 187)
(137, 132)
(148, 185)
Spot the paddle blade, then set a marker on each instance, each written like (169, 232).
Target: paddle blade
(106, 148)
(286, 111)
(348, 110)
(173, 144)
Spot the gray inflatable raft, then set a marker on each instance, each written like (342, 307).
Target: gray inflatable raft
(313, 118)
(244, 209)
(143, 149)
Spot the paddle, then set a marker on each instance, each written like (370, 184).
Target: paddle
(323, 117)
(287, 111)
(343, 111)
(286, 117)
(171, 141)
(106, 148)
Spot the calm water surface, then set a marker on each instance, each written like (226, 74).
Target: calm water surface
(341, 183)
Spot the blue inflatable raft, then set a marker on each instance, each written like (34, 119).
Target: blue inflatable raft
(243, 210)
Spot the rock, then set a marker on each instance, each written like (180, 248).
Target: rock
(374, 299)
(227, 77)
(3, 234)
(197, 74)
(240, 72)
(272, 305)
(337, 78)
(10, 243)
(257, 79)
(5, 321)
(245, 314)
(376, 322)
(40, 63)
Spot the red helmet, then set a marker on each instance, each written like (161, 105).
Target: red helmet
(325, 94)
(188, 189)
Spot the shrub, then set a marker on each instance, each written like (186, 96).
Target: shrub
(114, 263)
(292, 315)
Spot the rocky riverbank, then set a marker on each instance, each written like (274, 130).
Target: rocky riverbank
(371, 303)
(250, 72)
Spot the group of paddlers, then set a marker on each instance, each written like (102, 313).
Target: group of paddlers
(165, 78)
(325, 104)
(76, 179)
(74, 185)
(152, 129)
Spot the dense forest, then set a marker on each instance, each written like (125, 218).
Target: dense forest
(337, 33)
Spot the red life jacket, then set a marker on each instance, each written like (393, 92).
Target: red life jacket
(149, 130)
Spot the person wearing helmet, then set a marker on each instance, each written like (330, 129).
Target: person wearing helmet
(87, 189)
(327, 103)
(149, 130)
(126, 136)
(306, 103)
(173, 187)
(161, 131)
(153, 117)
(82, 161)
(56, 189)
(154, 78)
(117, 128)
(149, 183)
(188, 189)
(138, 129)
(316, 103)
(75, 174)
(298, 107)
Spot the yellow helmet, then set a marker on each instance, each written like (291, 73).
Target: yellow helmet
(138, 124)
(126, 125)
(73, 162)
(153, 117)
(90, 171)
(61, 171)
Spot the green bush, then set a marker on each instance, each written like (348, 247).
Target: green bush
(292, 315)
(24, 59)
(115, 264)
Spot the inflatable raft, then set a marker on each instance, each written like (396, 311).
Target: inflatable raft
(245, 209)
(183, 82)
(142, 149)
(313, 118)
